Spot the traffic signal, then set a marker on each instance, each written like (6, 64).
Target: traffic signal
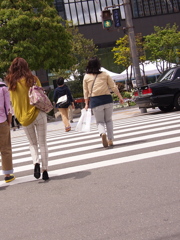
(106, 19)
(116, 17)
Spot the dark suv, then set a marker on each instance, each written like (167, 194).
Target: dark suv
(164, 93)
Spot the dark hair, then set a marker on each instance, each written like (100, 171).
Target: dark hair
(93, 66)
(19, 68)
(60, 81)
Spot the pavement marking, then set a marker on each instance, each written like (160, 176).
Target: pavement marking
(63, 144)
(96, 135)
(92, 155)
(124, 128)
(60, 172)
(77, 144)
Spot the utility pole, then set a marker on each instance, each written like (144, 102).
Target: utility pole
(107, 23)
(133, 48)
(132, 42)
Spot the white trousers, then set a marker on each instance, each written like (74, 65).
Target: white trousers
(36, 133)
(103, 116)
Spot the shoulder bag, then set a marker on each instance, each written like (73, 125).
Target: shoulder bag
(39, 99)
(93, 84)
(62, 101)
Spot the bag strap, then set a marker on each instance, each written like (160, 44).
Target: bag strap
(93, 84)
(2, 85)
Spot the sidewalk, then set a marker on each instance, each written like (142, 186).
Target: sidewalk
(58, 124)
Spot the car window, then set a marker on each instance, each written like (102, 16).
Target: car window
(177, 74)
(166, 76)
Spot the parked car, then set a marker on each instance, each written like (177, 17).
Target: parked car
(164, 93)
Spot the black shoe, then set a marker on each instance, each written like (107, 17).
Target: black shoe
(45, 175)
(37, 172)
(9, 179)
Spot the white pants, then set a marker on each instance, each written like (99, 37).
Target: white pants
(36, 134)
(103, 115)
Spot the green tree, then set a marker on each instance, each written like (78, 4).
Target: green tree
(163, 45)
(82, 50)
(33, 30)
(122, 54)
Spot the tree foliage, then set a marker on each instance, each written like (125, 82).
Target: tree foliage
(122, 54)
(33, 30)
(161, 46)
(164, 45)
(82, 50)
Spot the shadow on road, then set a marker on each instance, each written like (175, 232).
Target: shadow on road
(77, 175)
(3, 188)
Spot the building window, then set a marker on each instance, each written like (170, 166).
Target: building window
(143, 8)
(59, 4)
(83, 12)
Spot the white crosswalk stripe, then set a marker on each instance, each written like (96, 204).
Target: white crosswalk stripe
(136, 138)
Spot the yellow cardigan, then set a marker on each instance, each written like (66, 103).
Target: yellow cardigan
(24, 112)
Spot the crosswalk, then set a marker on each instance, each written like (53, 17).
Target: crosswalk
(136, 138)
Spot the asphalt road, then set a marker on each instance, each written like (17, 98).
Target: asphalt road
(131, 194)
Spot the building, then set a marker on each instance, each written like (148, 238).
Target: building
(86, 14)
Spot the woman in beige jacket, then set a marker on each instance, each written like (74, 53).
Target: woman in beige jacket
(97, 85)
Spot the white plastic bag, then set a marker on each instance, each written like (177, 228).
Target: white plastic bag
(84, 123)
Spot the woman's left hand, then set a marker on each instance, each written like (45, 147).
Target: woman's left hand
(121, 100)
(86, 107)
(73, 106)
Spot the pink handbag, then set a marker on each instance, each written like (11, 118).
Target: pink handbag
(39, 99)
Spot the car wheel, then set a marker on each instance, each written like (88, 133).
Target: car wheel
(177, 102)
(167, 108)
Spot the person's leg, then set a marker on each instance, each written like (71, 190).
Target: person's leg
(13, 123)
(108, 111)
(33, 145)
(99, 116)
(41, 129)
(99, 113)
(65, 119)
(6, 151)
(70, 113)
(17, 122)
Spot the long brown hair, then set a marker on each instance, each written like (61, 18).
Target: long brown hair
(19, 68)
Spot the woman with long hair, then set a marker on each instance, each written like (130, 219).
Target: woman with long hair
(97, 86)
(34, 121)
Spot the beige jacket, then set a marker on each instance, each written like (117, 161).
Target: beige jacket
(102, 86)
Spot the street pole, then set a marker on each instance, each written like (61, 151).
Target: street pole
(132, 42)
(133, 48)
